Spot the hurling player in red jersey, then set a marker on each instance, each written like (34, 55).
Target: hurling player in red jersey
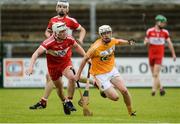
(58, 49)
(155, 39)
(62, 9)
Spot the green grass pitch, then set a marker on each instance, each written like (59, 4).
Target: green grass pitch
(14, 107)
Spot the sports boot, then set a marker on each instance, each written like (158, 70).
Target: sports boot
(66, 109)
(70, 106)
(162, 92)
(40, 105)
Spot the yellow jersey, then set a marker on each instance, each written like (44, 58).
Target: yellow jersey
(102, 56)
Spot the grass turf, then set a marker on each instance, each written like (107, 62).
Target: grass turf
(14, 108)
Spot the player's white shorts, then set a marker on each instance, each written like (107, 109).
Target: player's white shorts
(104, 79)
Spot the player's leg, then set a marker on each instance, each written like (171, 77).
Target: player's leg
(152, 62)
(154, 85)
(59, 88)
(70, 89)
(104, 85)
(56, 76)
(105, 82)
(111, 93)
(48, 89)
(94, 83)
(156, 76)
(118, 82)
(68, 73)
(159, 63)
(60, 92)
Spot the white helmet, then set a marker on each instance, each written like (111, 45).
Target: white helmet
(58, 26)
(104, 28)
(63, 2)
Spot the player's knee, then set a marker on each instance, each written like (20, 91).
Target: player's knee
(72, 78)
(155, 75)
(124, 91)
(115, 98)
(48, 79)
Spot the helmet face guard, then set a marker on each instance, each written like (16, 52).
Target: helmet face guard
(105, 32)
(59, 27)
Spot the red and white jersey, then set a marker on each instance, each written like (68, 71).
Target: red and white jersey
(58, 52)
(157, 37)
(71, 23)
(157, 40)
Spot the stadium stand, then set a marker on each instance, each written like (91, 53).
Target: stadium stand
(27, 21)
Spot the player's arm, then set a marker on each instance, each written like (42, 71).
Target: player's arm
(126, 42)
(170, 45)
(85, 59)
(82, 33)
(79, 49)
(34, 57)
(48, 32)
(146, 41)
(81, 67)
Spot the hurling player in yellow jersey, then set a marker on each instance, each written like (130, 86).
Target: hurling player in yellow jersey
(103, 67)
